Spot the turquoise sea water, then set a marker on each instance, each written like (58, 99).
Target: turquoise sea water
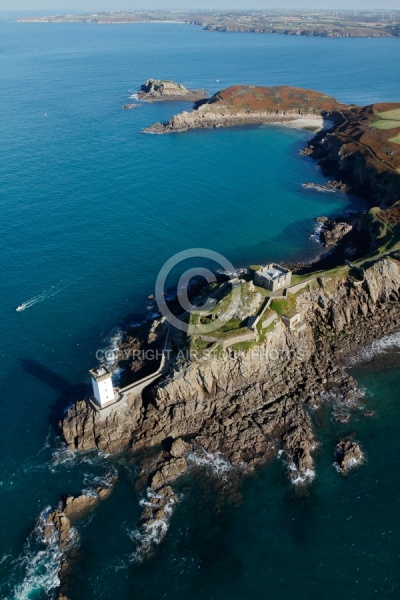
(91, 208)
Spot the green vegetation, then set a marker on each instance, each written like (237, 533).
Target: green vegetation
(286, 306)
(395, 140)
(227, 335)
(390, 114)
(262, 291)
(383, 124)
(198, 345)
(390, 119)
(243, 346)
(230, 326)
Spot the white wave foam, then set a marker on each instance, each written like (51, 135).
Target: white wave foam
(341, 405)
(4, 558)
(41, 561)
(336, 466)
(296, 476)
(95, 481)
(135, 96)
(110, 353)
(218, 465)
(304, 478)
(62, 457)
(151, 534)
(389, 343)
(318, 229)
(351, 464)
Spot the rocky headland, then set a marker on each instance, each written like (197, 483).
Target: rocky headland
(254, 105)
(245, 405)
(363, 151)
(157, 90)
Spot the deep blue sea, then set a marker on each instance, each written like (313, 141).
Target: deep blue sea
(91, 208)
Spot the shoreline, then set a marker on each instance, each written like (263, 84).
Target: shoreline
(304, 23)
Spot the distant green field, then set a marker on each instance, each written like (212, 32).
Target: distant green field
(396, 139)
(389, 119)
(390, 114)
(383, 124)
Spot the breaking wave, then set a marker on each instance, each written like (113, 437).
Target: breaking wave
(304, 478)
(387, 344)
(218, 465)
(300, 477)
(63, 457)
(151, 534)
(318, 229)
(91, 481)
(342, 406)
(40, 563)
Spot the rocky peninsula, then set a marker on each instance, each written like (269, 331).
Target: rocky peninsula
(255, 105)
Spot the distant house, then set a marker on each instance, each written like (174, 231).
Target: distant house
(273, 277)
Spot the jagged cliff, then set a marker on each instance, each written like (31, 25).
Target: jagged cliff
(244, 105)
(364, 151)
(244, 405)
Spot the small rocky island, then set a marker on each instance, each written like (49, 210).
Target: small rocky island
(157, 90)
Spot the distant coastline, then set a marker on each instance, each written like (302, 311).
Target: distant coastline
(305, 23)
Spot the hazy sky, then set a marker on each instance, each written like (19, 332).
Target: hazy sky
(96, 5)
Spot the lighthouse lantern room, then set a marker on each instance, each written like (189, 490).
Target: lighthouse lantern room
(102, 386)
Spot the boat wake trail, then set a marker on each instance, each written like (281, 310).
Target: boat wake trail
(53, 291)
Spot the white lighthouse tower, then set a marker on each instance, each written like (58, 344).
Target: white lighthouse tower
(102, 386)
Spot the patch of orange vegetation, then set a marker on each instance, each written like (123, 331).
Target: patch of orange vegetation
(278, 98)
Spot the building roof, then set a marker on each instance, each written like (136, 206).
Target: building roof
(272, 272)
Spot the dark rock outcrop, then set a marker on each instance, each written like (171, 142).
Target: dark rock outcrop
(361, 155)
(59, 529)
(334, 230)
(348, 455)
